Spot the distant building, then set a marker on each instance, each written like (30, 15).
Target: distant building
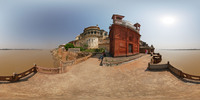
(144, 46)
(92, 37)
(124, 37)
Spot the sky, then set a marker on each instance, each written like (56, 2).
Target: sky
(45, 24)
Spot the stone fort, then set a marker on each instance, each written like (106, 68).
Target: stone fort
(93, 37)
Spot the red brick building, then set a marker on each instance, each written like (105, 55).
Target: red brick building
(124, 37)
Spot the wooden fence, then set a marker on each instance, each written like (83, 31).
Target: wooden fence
(61, 69)
(16, 77)
(173, 70)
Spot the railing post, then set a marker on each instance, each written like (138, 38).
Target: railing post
(168, 64)
(14, 77)
(35, 69)
(181, 74)
(148, 65)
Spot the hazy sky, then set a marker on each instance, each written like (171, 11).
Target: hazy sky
(48, 23)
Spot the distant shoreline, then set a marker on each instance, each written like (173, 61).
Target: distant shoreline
(179, 49)
(22, 49)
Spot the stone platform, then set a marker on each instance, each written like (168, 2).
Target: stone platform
(114, 61)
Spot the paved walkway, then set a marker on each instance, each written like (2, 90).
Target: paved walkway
(114, 61)
(88, 80)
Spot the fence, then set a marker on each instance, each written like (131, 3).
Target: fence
(16, 77)
(62, 67)
(173, 70)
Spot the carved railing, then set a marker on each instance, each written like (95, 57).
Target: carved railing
(173, 70)
(62, 67)
(48, 70)
(16, 77)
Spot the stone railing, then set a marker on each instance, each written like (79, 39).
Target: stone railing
(62, 67)
(49, 70)
(173, 70)
(110, 61)
(16, 77)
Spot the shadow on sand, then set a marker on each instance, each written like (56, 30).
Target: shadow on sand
(21, 80)
(178, 77)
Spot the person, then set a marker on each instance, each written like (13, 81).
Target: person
(146, 51)
(102, 55)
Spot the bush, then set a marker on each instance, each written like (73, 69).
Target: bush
(81, 48)
(90, 50)
(69, 45)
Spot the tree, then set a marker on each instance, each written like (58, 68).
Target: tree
(69, 45)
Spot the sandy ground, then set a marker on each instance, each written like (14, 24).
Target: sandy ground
(88, 80)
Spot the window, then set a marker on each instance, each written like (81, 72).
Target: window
(130, 48)
(105, 34)
(94, 32)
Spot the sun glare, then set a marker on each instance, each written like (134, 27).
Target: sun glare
(168, 20)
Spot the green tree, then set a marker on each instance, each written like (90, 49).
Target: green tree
(69, 45)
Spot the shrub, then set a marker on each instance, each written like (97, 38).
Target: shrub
(81, 48)
(69, 45)
(96, 50)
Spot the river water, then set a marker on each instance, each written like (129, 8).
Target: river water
(186, 60)
(21, 60)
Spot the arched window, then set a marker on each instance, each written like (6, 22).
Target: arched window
(94, 32)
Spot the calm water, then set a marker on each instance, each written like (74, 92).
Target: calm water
(186, 60)
(20, 60)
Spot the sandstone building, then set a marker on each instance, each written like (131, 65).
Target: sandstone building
(92, 37)
(144, 46)
(124, 37)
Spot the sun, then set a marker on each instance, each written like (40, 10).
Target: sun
(168, 20)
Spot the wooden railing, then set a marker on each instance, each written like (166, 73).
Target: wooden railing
(60, 69)
(48, 70)
(16, 77)
(173, 70)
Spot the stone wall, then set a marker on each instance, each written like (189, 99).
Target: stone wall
(63, 66)
(92, 42)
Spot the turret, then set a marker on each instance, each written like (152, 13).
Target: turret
(137, 25)
(117, 19)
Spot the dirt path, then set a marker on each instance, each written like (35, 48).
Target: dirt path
(88, 80)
